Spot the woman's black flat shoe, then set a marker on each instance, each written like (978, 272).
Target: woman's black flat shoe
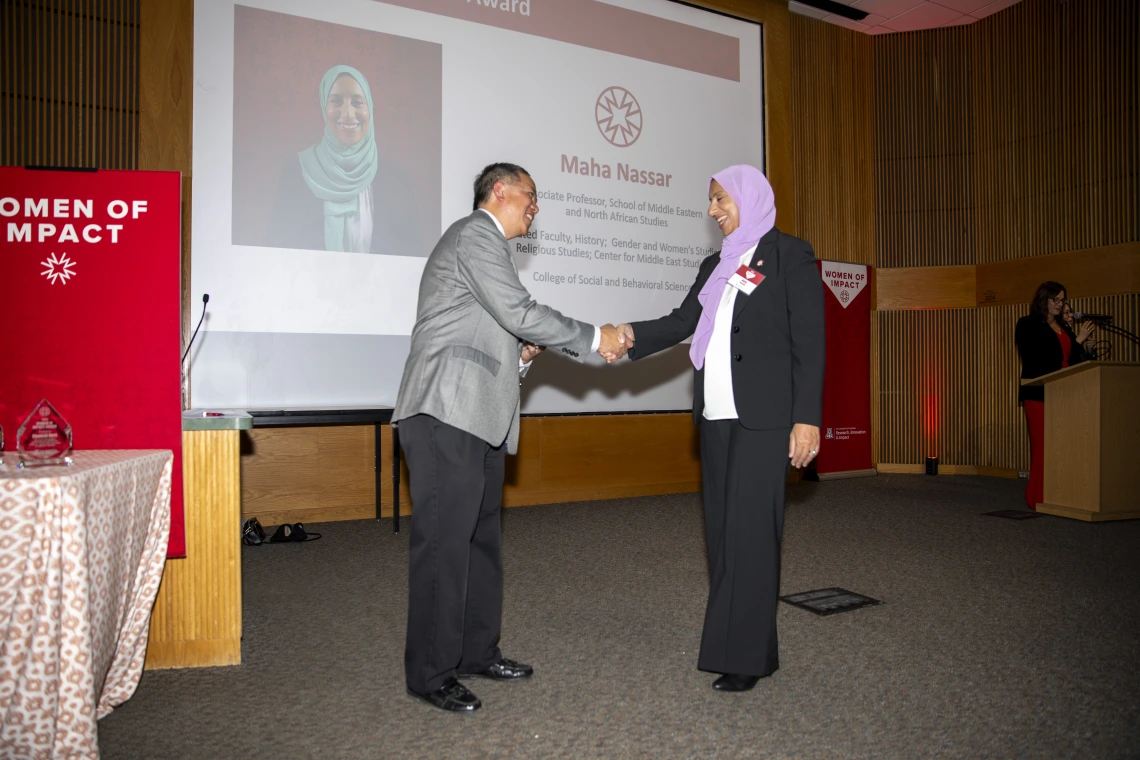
(299, 533)
(733, 682)
(295, 533)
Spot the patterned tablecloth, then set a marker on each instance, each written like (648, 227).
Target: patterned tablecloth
(82, 550)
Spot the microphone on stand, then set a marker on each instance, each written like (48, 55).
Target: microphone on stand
(205, 300)
(1092, 317)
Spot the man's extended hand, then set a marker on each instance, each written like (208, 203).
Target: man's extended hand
(529, 351)
(614, 343)
(803, 444)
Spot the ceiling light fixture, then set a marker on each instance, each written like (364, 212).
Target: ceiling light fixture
(839, 9)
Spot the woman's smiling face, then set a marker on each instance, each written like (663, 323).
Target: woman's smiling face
(346, 111)
(723, 209)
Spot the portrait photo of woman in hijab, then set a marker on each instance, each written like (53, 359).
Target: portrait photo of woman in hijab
(338, 207)
(355, 130)
(340, 168)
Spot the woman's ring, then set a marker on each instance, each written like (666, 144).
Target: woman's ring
(812, 451)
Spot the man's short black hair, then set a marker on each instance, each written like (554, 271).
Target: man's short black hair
(502, 172)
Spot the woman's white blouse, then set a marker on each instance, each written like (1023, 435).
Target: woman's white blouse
(719, 401)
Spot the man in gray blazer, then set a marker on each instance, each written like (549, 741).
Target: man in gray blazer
(476, 330)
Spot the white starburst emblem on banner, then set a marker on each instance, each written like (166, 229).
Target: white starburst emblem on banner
(58, 268)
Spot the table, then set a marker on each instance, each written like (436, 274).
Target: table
(82, 550)
(374, 416)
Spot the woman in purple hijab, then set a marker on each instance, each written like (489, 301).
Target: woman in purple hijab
(755, 314)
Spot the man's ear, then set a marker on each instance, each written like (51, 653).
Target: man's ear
(499, 191)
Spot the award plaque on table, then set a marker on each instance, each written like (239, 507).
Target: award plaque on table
(44, 438)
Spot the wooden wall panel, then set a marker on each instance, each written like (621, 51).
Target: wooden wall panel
(1055, 88)
(165, 84)
(1003, 439)
(876, 384)
(69, 83)
(1111, 270)
(569, 458)
(304, 474)
(1011, 137)
(925, 288)
(320, 473)
(926, 382)
(923, 148)
(833, 124)
(922, 360)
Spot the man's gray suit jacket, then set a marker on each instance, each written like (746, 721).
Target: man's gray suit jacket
(473, 314)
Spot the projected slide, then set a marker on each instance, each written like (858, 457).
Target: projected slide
(335, 141)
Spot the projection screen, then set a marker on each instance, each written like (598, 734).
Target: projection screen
(318, 196)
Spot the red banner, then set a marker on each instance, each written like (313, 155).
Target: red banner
(846, 433)
(90, 281)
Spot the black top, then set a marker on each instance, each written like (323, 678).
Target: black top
(777, 339)
(1041, 353)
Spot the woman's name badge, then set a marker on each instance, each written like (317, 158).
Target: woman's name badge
(745, 279)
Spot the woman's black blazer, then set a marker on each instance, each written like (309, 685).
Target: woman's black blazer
(777, 337)
(1040, 353)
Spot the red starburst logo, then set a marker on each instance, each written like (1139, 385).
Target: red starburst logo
(619, 116)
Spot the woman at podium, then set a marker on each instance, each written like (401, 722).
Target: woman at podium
(1046, 344)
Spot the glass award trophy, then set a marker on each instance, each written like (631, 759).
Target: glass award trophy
(44, 438)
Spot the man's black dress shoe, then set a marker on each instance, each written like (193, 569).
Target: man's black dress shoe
(503, 670)
(734, 682)
(452, 696)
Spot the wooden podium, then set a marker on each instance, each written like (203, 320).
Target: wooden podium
(1092, 441)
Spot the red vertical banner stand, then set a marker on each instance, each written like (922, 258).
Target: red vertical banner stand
(845, 437)
(90, 280)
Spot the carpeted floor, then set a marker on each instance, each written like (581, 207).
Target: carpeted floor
(998, 638)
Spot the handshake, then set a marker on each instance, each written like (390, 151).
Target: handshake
(614, 344)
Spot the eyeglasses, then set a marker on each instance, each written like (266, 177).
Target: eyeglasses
(1058, 300)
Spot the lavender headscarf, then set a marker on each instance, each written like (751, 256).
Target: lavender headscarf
(756, 203)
